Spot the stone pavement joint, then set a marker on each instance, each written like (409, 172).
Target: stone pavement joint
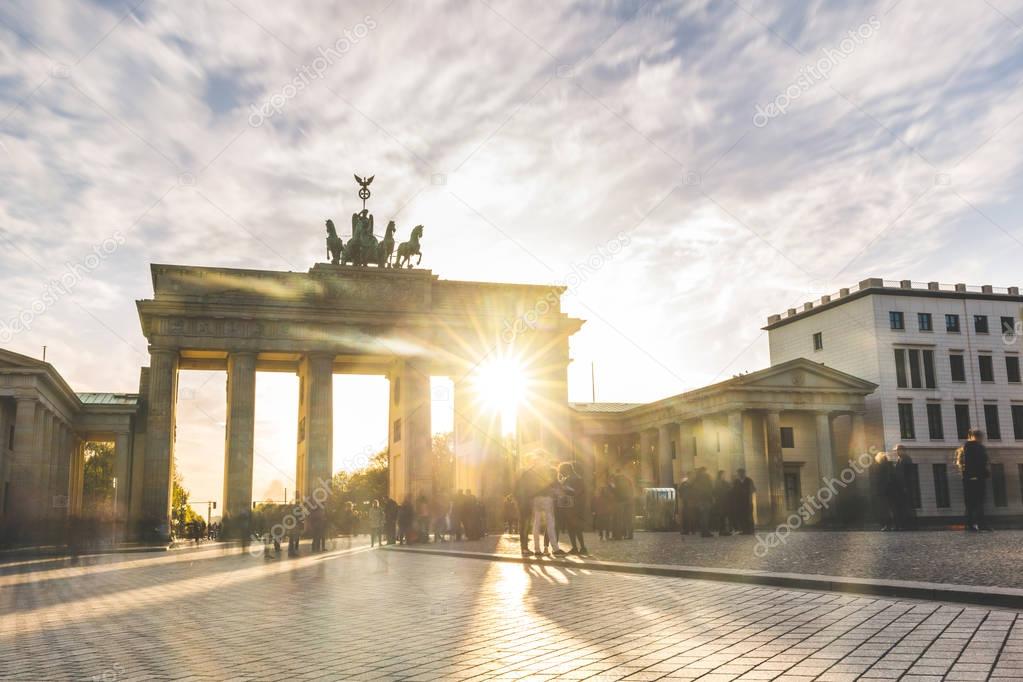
(1001, 597)
(362, 614)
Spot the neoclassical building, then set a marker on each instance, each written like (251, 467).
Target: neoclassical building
(45, 425)
(789, 426)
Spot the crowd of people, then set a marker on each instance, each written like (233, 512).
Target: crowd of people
(549, 499)
(703, 505)
(550, 502)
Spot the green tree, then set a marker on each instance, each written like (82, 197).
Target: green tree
(98, 478)
(181, 513)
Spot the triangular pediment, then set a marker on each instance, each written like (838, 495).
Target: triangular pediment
(803, 373)
(10, 359)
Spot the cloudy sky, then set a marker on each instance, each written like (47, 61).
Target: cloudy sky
(691, 167)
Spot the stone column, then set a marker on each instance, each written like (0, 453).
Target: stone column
(825, 457)
(122, 470)
(63, 475)
(736, 441)
(160, 434)
(665, 473)
(47, 472)
(418, 429)
(647, 470)
(686, 456)
(857, 437)
(316, 424)
(775, 465)
(239, 434)
(709, 453)
(468, 455)
(76, 476)
(23, 495)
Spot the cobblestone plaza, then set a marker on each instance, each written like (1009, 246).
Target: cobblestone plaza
(357, 613)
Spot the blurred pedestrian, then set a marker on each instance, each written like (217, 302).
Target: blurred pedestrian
(682, 503)
(572, 503)
(406, 521)
(391, 520)
(742, 502)
(375, 518)
(972, 461)
(905, 487)
(702, 493)
(510, 512)
(722, 504)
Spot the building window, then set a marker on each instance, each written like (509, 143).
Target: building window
(962, 420)
(900, 368)
(925, 322)
(1017, 422)
(935, 428)
(980, 324)
(994, 429)
(1009, 325)
(987, 368)
(916, 379)
(818, 341)
(1012, 368)
(942, 499)
(999, 494)
(788, 437)
(674, 453)
(952, 323)
(906, 428)
(397, 430)
(896, 319)
(928, 356)
(914, 368)
(958, 367)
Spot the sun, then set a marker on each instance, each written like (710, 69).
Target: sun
(501, 387)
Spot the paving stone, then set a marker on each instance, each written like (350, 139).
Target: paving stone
(362, 614)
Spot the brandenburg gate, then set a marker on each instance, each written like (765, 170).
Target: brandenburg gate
(402, 323)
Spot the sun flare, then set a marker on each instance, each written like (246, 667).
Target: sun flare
(501, 387)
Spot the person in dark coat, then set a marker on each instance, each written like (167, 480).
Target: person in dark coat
(702, 494)
(625, 505)
(406, 522)
(742, 502)
(973, 463)
(685, 513)
(458, 514)
(318, 529)
(390, 520)
(524, 491)
(905, 481)
(722, 504)
(571, 504)
(882, 483)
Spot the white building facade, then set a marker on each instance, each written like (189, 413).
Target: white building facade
(945, 358)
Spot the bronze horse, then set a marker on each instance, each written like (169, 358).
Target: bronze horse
(410, 248)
